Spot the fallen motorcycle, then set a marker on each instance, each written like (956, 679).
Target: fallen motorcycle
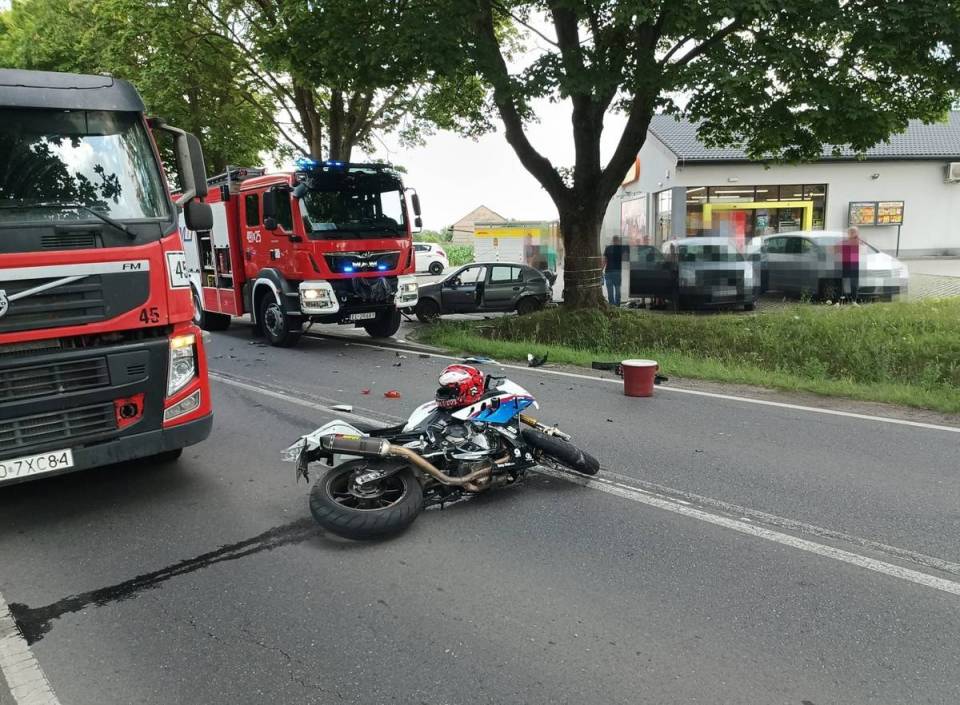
(471, 438)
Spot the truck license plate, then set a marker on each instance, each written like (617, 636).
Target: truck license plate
(35, 464)
(363, 316)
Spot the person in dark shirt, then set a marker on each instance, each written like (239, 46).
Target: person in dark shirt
(612, 259)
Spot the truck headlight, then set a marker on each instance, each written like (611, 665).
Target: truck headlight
(183, 362)
(318, 297)
(407, 292)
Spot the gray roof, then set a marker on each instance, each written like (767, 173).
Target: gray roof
(918, 141)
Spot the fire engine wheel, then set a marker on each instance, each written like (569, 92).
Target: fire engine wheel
(386, 323)
(207, 320)
(278, 326)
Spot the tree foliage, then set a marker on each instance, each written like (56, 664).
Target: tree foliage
(781, 78)
(184, 71)
(344, 72)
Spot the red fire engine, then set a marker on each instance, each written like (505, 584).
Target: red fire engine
(329, 243)
(100, 361)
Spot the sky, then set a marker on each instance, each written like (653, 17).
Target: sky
(453, 175)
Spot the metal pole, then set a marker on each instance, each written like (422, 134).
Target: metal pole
(898, 240)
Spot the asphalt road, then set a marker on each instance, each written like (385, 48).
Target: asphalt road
(730, 553)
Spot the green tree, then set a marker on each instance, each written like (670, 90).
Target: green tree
(782, 78)
(343, 72)
(183, 70)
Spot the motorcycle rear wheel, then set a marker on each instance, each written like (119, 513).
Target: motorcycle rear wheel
(562, 451)
(390, 510)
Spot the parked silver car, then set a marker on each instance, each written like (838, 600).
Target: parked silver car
(695, 272)
(808, 263)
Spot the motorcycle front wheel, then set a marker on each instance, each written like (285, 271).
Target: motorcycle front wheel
(561, 451)
(341, 508)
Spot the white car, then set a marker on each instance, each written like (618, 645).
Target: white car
(430, 257)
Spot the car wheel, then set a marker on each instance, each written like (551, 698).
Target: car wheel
(750, 306)
(829, 290)
(527, 305)
(427, 311)
(435, 268)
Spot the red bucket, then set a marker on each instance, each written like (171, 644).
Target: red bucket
(638, 377)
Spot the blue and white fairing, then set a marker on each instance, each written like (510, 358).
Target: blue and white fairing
(502, 408)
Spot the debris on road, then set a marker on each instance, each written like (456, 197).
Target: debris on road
(478, 359)
(423, 356)
(364, 391)
(397, 364)
(534, 361)
(342, 407)
(392, 394)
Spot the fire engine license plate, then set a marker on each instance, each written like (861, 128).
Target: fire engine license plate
(363, 316)
(35, 464)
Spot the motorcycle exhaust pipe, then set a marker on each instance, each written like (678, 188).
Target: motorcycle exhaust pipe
(379, 447)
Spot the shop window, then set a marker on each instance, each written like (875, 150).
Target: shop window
(696, 195)
(791, 193)
(664, 218)
(730, 194)
(818, 194)
(767, 193)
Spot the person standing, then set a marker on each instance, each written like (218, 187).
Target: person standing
(612, 270)
(850, 261)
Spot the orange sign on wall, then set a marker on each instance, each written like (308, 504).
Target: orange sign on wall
(633, 174)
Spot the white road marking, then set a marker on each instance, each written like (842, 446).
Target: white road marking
(837, 554)
(679, 390)
(296, 400)
(685, 508)
(24, 677)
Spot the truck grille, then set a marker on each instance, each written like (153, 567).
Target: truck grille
(53, 378)
(59, 428)
(362, 261)
(365, 290)
(87, 300)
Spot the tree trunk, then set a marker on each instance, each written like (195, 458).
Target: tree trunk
(310, 119)
(580, 221)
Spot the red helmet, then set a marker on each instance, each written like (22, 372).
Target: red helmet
(460, 385)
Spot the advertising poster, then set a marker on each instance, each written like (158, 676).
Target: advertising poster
(633, 222)
(890, 213)
(863, 213)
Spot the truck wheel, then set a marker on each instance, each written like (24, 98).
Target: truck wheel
(386, 324)
(435, 268)
(206, 319)
(278, 326)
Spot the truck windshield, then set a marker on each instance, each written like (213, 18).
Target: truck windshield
(85, 160)
(355, 207)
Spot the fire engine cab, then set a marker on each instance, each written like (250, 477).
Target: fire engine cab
(328, 243)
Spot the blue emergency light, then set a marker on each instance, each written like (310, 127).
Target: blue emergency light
(382, 267)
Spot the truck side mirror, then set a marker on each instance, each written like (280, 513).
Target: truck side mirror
(418, 223)
(198, 216)
(415, 200)
(197, 165)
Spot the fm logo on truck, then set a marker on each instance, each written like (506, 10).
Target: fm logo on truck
(4, 303)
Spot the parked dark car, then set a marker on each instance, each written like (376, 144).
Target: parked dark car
(808, 263)
(698, 272)
(485, 286)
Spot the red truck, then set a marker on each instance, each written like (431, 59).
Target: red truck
(330, 243)
(100, 361)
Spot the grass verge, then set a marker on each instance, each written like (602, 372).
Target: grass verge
(902, 353)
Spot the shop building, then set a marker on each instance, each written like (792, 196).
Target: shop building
(908, 187)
